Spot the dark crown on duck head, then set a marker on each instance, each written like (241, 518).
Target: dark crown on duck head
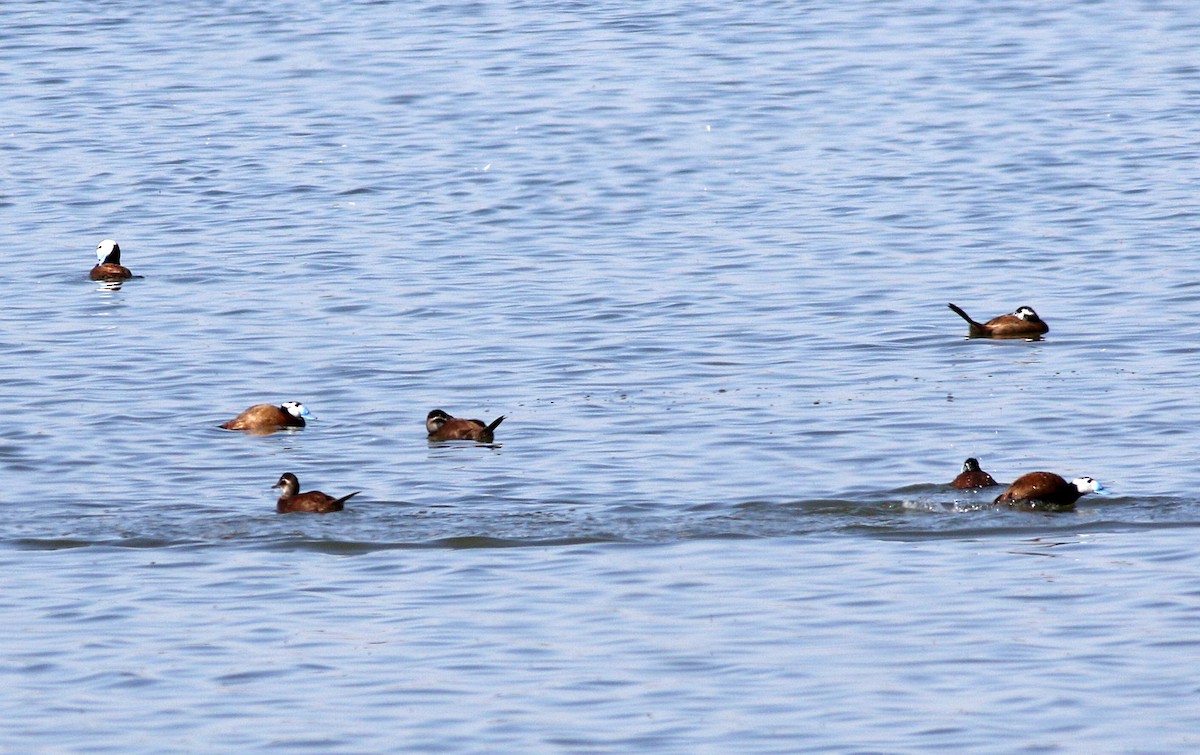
(1027, 313)
(288, 483)
(971, 465)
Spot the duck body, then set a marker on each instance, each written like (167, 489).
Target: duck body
(1048, 488)
(1022, 323)
(292, 501)
(441, 426)
(269, 417)
(108, 263)
(972, 476)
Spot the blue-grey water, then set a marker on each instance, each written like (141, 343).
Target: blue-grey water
(699, 254)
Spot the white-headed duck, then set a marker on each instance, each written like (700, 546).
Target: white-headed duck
(108, 263)
(1023, 323)
(267, 418)
(1048, 488)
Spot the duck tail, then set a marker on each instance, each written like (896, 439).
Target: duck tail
(495, 423)
(958, 310)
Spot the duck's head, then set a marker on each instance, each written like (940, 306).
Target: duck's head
(108, 251)
(296, 409)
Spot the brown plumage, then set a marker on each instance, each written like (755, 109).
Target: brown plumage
(1047, 487)
(267, 418)
(972, 476)
(291, 500)
(442, 426)
(110, 272)
(108, 259)
(1023, 323)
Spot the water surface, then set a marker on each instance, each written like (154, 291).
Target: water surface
(699, 255)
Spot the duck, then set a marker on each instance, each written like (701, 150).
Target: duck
(972, 476)
(441, 426)
(291, 500)
(108, 263)
(1048, 488)
(1021, 323)
(269, 418)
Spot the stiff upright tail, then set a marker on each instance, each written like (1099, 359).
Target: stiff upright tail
(495, 423)
(345, 498)
(963, 315)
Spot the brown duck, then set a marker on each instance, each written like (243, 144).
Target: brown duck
(291, 500)
(1023, 323)
(442, 426)
(267, 418)
(108, 263)
(972, 476)
(1047, 487)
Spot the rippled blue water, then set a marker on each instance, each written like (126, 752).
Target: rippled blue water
(699, 255)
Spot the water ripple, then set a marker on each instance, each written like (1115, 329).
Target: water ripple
(699, 255)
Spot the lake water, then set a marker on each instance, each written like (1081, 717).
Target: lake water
(699, 256)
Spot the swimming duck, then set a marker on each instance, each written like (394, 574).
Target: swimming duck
(972, 476)
(1023, 323)
(1048, 487)
(108, 263)
(442, 426)
(291, 500)
(269, 418)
